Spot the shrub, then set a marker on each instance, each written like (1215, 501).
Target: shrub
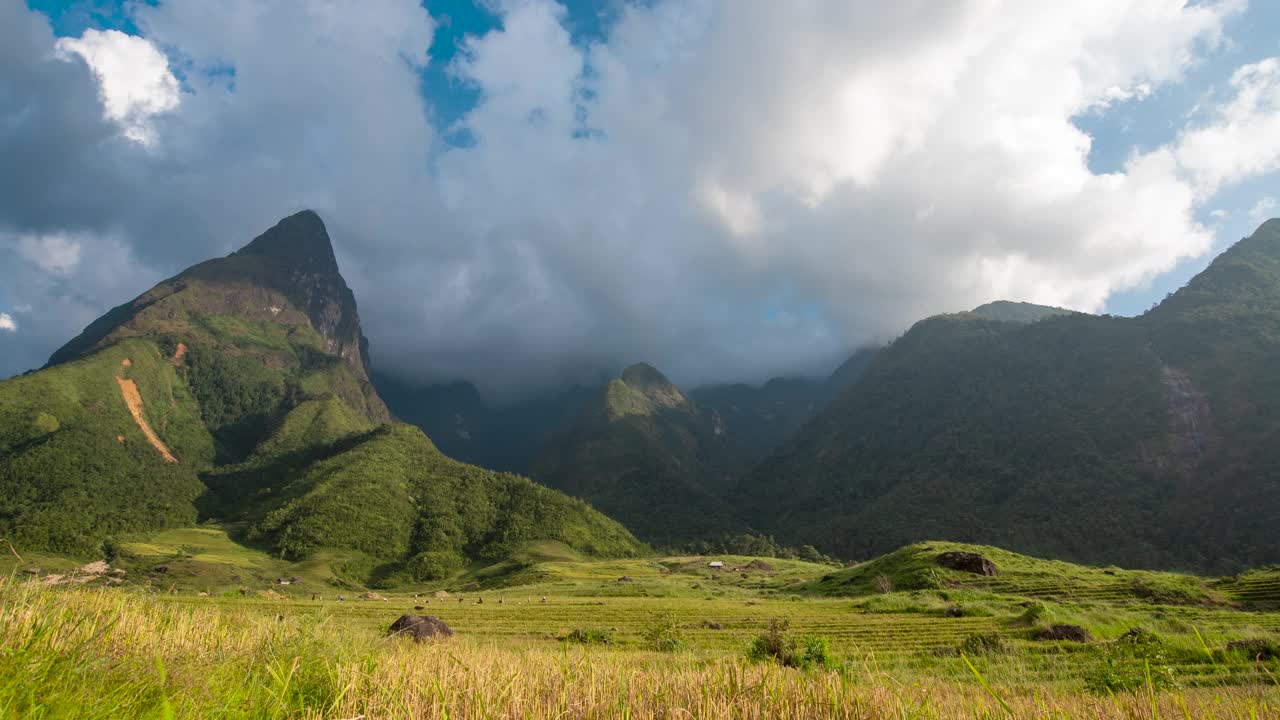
(433, 565)
(883, 584)
(664, 636)
(591, 636)
(1139, 638)
(1034, 613)
(809, 553)
(1254, 649)
(1135, 660)
(804, 652)
(980, 644)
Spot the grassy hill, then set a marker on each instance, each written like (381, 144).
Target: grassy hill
(238, 391)
(1139, 441)
(915, 567)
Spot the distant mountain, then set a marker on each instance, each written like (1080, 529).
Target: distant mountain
(468, 428)
(1145, 441)
(663, 462)
(238, 390)
(510, 436)
(759, 418)
(643, 452)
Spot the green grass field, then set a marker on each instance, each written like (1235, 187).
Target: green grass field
(199, 626)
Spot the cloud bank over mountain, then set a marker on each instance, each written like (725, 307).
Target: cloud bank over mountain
(727, 190)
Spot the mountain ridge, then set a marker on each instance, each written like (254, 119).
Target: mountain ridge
(1137, 441)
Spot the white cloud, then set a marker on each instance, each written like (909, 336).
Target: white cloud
(1264, 209)
(1242, 139)
(7, 323)
(726, 189)
(134, 76)
(879, 164)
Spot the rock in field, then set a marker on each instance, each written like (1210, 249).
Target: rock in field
(419, 627)
(969, 562)
(1070, 633)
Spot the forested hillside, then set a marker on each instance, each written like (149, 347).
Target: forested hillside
(1144, 441)
(238, 391)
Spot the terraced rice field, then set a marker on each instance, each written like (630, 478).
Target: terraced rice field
(905, 644)
(201, 626)
(1260, 589)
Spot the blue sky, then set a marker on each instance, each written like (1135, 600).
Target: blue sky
(761, 187)
(1155, 120)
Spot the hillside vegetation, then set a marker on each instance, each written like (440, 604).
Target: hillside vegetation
(1142, 441)
(645, 454)
(76, 469)
(238, 391)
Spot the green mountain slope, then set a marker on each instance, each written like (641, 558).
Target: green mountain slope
(74, 466)
(644, 453)
(757, 419)
(238, 391)
(1139, 441)
(511, 436)
(663, 462)
(396, 498)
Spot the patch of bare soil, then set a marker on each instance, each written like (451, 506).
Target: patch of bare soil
(178, 353)
(133, 400)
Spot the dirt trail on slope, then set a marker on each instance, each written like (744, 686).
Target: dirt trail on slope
(133, 400)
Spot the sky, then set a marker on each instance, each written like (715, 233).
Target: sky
(524, 193)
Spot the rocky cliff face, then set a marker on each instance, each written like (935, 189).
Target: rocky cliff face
(307, 272)
(280, 301)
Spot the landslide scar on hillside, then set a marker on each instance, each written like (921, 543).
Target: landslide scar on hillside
(133, 400)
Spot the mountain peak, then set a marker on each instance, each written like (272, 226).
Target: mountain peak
(640, 390)
(1244, 279)
(300, 240)
(642, 376)
(286, 277)
(1019, 312)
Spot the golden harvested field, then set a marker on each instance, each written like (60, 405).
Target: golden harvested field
(108, 653)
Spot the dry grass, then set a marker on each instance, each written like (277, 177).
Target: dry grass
(109, 654)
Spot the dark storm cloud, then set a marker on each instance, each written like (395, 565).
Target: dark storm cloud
(55, 143)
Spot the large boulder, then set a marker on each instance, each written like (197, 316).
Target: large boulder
(1069, 633)
(419, 627)
(969, 562)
